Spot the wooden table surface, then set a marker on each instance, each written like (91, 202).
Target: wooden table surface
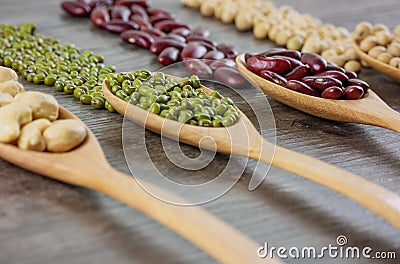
(45, 221)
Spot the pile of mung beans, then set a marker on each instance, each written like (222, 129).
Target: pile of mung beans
(44, 60)
(163, 34)
(181, 100)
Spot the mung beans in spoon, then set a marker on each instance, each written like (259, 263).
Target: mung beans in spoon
(241, 138)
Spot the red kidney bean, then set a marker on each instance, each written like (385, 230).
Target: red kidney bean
(273, 77)
(75, 8)
(298, 73)
(203, 43)
(160, 44)
(139, 10)
(293, 62)
(118, 25)
(247, 56)
(155, 33)
(222, 63)
(227, 49)
(301, 88)
(175, 36)
(229, 76)
(100, 16)
(351, 74)
(168, 56)
(193, 51)
(353, 92)
(157, 18)
(320, 83)
(333, 67)
(143, 23)
(334, 74)
(198, 68)
(316, 63)
(278, 65)
(155, 11)
(138, 37)
(360, 83)
(286, 53)
(169, 25)
(120, 12)
(201, 31)
(333, 92)
(128, 3)
(201, 39)
(184, 32)
(214, 55)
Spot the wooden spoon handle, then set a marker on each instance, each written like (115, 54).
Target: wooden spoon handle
(388, 118)
(383, 202)
(209, 233)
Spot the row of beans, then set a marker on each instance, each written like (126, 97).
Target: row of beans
(181, 100)
(307, 73)
(43, 60)
(164, 35)
(379, 42)
(285, 26)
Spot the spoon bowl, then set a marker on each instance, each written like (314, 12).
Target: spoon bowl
(384, 68)
(243, 139)
(87, 166)
(370, 110)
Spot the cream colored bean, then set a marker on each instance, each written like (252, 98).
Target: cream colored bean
(207, 7)
(260, 31)
(382, 37)
(384, 57)
(339, 60)
(396, 31)
(12, 117)
(243, 20)
(368, 43)
(7, 74)
(395, 62)
(32, 135)
(375, 51)
(228, 15)
(11, 87)
(362, 30)
(283, 37)
(5, 99)
(379, 27)
(192, 3)
(352, 65)
(295, 42)
(394, 49)
(64, 135)
(42, 105)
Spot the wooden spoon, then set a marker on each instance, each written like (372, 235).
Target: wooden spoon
(384, 68)
(87, 166)
(243, 139)
(370, 110)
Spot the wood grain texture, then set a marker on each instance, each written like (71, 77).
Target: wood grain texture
(45, 221)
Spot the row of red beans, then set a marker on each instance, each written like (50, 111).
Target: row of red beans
(306, 73)
(160, 31)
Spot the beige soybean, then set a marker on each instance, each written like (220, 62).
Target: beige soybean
(375, 51)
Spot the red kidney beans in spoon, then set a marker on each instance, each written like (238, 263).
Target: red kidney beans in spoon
(316, 63)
